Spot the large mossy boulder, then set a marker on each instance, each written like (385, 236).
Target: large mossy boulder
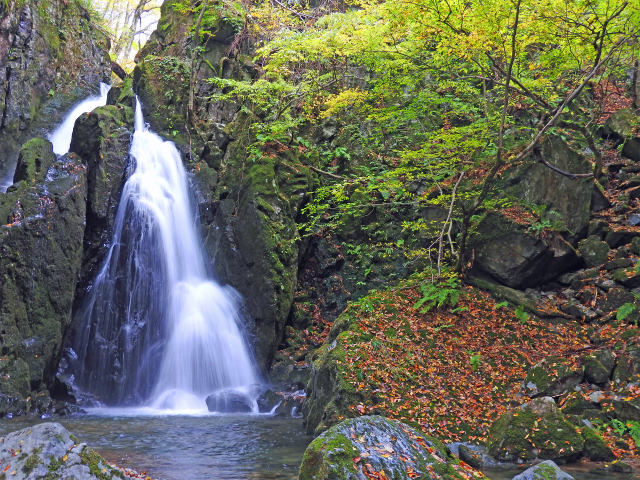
(51, 54)
(376, 447)
(41, 234)
(48, 451)
(538, 430)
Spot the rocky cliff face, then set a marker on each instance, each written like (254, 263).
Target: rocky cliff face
(51, 54)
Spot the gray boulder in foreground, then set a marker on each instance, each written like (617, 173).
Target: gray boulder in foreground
(546, 470)
(49, 451)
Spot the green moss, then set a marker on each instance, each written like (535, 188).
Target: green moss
(97, 465)
(594, 446)
(32, 462)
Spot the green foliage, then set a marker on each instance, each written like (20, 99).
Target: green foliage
(625, 310)
(445, 292)
(475, 359)
(521, 314)
(631, 427)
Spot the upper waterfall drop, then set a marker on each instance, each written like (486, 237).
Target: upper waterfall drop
(157, 331)
(61, 136)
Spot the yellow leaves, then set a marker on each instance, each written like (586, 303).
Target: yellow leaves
(346, 98)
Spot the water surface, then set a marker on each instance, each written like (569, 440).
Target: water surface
(191, 447)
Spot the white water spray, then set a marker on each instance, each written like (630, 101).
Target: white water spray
(61, 136)
(158, 332)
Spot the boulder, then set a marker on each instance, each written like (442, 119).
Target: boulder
(551, 377)
(599, 366)
(631, 149)
(41, 235)
(515, 256)
(376, 447)
(619, 125)
(547, 470)
(593, 250)
(51, 55)
(35, 158)
(48, 450)
(230, 401)
(536, 430)
(629, 277)
(567, 200)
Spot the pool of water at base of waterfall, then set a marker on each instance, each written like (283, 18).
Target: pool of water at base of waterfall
(211, 447)
(214, 447)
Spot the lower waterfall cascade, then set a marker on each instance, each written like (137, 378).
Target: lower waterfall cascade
(155, 331)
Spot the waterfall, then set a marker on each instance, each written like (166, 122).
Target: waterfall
(156, 330)
(61, 136)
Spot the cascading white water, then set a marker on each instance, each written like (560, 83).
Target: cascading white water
(157, 331)
(61, 136)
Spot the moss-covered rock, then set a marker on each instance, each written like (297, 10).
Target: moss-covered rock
(598, 366)
(35, 158)
(329, 394)
(41, 233)
(536, 430)
(48, 451)
(552, 376)
(102, 138)
(51, 54)
(595, 448)
(361, 447)
(593, 250)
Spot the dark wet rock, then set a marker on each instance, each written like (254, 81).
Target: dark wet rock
(620, 236)
(229, 401)
(476, 456)
(48, 450)
(282, 404)
(51, 55)
(635, 245)
(357, 448)
(102, 138)
(627, 366)
(631, 149)
(593, 250)
(547, 470)
(516, 257)
(598, 366)
(535, 430)
(41, 233)
(34, 160)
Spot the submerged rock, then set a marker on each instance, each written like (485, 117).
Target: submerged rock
(48, 450)
(359, 448)
(229, 401)
(546, 470)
